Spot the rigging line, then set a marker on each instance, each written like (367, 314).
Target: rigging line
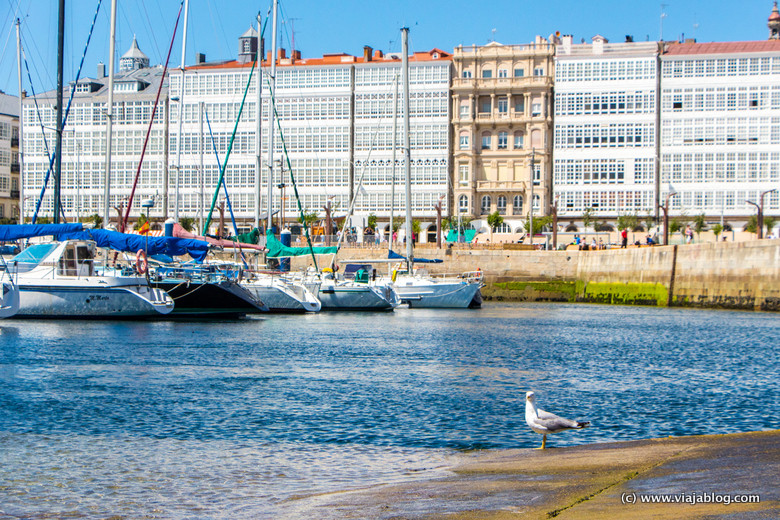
(230, 148)
(37, 108)
(151, 29)
(227, 196)
(151, 121)
(29, 37)
(67, 111)
(272, 99)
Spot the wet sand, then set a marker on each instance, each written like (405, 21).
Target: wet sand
(607, 480)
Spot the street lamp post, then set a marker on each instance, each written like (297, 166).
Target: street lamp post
(531, 201)
(665, 208)
(760, 213)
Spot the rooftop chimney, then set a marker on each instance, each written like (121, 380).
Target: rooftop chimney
(101, 70)
(282, 54)
(200, 58)
(367, 53)
(378, 54)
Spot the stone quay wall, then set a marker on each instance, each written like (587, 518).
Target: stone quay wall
(732, 275)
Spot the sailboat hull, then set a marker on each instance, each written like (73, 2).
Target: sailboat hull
(60, 299)
(435, 293)
(222, 299)
(9, 300)
(350, 296)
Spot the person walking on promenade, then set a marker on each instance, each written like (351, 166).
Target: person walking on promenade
(624, 237)
(688, 235)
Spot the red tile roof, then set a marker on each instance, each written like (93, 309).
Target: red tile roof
(680, 49)
(330, 59)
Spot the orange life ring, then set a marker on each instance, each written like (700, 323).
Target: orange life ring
(141, 264)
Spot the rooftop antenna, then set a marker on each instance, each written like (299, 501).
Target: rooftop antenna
(663, 15)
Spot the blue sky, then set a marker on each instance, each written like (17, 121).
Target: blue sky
(346, 26)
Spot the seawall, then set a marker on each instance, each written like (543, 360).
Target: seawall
(730, 275)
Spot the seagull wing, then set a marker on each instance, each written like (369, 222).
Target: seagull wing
(554, 423)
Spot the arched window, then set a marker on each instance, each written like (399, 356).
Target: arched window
(517, 205)
(485, 205)
(537, 201)
(463, 203)
(519, 140)
(501, 204)
(486, 140)
(503, 228)
(464, 140)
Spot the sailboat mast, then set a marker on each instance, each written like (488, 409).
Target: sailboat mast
(259, 132)
(395, 142)
(271, 94)
(21, 122)
(58, 147)
(109, 117)
(181, 111)
(407, 145)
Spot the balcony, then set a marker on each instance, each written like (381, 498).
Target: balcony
(502, 84)
(14, 194)
(495, 186)
(14, 142)
(15, 168)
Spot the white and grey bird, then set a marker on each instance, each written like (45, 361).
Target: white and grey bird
(545, 422)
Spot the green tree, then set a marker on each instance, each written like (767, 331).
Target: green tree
(717, 229)
(649, 221)
(627, 222)
(308, 218)
(770, 223)
(699, 224)
(43, 220)
(675, 225)
(752, 225)
(372, 221)
(188, 223)
(539, 223)
(140, 222)
(587, 217)
(416, 227)
(96, 220)
(494, 220)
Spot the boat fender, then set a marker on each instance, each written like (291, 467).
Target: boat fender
(141, 264)
(395, 274)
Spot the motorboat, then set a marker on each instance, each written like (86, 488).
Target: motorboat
(61, 280)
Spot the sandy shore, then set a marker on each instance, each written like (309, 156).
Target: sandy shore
(609, 480)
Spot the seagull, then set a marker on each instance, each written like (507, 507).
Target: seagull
(545, 422)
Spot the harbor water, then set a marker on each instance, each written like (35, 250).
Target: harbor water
(255, 418)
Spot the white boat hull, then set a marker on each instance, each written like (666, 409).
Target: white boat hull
(357, 296)
(9, 300)
(89, 299)
(281, 296)
(438, 293)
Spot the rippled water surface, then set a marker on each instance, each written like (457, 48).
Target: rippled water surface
(242, 419)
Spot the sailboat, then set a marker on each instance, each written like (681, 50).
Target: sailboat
(60, 279)
(279, 293)
(9, 299)
(417, 289)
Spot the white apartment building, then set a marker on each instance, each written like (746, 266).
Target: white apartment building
(9, 158)
(336, 119)
(720, 128)
(84, 144)
(605, 135)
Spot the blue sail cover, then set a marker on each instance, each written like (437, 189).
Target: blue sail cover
(17, 231)
(392, 255)
(117, 241)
